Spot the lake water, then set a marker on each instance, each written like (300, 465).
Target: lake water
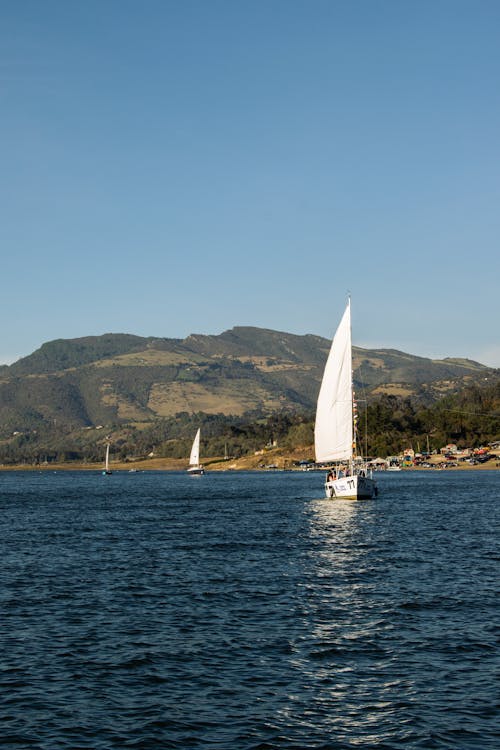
(245, 612)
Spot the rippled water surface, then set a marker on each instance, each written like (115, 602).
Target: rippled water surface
(243, 612)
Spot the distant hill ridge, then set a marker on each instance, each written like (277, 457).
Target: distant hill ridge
(123, 378)
(63, 353)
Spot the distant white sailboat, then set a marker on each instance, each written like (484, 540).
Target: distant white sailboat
(194, 459)
(335, 428)
(106, 469)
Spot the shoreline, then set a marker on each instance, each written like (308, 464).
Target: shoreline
(275, 459)
(243, 464)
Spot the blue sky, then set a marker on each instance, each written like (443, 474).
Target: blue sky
(184, 167)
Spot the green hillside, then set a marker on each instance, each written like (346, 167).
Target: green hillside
(121, 379)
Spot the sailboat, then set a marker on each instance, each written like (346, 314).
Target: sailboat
(194, 460)
(335, 430)
(106, 469)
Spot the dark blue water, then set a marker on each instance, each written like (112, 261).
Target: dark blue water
(243, 611)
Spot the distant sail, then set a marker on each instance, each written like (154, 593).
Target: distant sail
(194, 458)
(106, 469)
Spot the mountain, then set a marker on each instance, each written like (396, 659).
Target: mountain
(126, 379)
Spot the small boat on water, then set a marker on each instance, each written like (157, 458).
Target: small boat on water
(393, 463)
(335, 432)
(106, 469)
(194, 459)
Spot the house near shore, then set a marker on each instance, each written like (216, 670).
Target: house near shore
(450, 448)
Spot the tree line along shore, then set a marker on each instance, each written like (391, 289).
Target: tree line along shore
(387, 426)
(274, 459)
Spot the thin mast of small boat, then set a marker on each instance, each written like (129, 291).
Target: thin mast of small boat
(106, 469)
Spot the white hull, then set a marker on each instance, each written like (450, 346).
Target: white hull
(196, 470)
(351, 488)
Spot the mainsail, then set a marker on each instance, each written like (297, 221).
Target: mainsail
(194, 458)
(333, 433)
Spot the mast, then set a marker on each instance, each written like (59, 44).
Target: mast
(353, 402)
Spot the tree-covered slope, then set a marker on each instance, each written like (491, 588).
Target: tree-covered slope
(126, 379)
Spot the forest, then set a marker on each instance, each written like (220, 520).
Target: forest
(388, 425)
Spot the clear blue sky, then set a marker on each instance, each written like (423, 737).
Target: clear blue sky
(183, 167)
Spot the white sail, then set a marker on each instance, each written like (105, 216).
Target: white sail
(194, 458)
(333, 433)
(107, 458)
